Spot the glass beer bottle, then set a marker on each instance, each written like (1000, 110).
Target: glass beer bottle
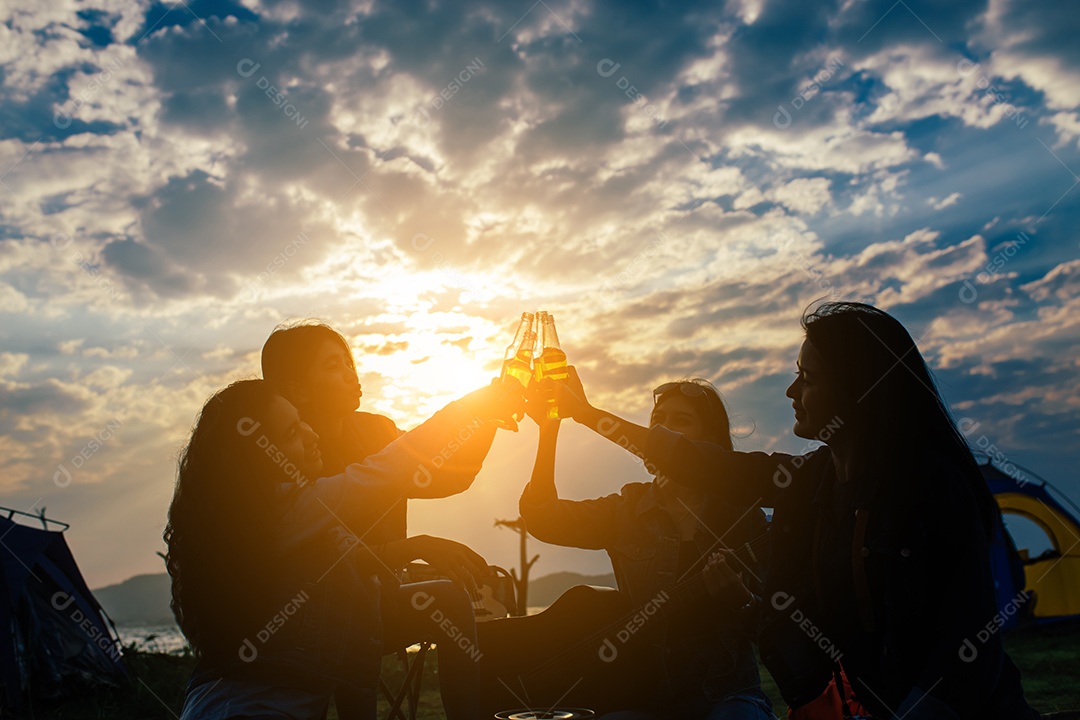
(552, 360)
(517, 360)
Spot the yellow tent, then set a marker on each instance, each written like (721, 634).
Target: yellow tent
(1054, 576)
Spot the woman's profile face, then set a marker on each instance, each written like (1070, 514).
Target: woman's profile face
(331, 382)
(290, 442)
(677, 413)
(817, 405)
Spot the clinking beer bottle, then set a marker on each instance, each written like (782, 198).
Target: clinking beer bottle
(552, 360)
(517, 360)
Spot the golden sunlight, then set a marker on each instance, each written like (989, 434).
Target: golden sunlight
(440, 357)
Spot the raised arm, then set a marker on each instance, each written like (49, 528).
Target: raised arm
(459, 460)
(739, 478)
(448, 450)
(407, 468)
(572, 403)
(573, 523)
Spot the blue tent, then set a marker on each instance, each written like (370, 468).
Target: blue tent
(56, 637)
(1045, 587)
(1013, 602)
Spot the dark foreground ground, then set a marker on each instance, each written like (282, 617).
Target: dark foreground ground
(1049, 658)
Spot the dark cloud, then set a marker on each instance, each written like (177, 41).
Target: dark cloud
(871, 26)
(203, 111)
(768, 57)
(1049, 31)
(1023, 429)
(48, 397)
(489, 129)
(198, 231)
(146, 267)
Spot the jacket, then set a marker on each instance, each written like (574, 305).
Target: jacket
(698, 645)
(912, 586)
(326, 630)
(367, 434)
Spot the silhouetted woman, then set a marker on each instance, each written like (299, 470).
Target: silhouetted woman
(276, 593)
(880, 561)
(311, 365)
(658, 535)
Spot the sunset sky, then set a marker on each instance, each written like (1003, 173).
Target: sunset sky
(674, 182)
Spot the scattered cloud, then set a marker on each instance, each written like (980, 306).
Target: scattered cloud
(675, 184)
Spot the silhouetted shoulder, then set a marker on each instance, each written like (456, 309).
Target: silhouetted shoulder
(635, 490)
(376, 427)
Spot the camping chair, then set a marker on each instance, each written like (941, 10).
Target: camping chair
(410, 687)
(499, 601)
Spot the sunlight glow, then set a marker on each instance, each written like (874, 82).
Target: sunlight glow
(445, 356)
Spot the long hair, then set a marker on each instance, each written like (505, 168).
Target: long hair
(289, 352)
(709, 406)
(898, 411)
(218, 531)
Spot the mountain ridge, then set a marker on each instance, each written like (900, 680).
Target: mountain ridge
(144, 599)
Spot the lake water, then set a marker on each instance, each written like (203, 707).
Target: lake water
(153, 638)
(168, 639)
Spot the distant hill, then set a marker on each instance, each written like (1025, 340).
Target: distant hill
(545, 590)
(144, 599)
(139, 600)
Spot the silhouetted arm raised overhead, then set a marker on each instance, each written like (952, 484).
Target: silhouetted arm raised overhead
(740, 478)
(429, 456)
(446, 451)
(461, 459)
(449, 449)
(587, 524)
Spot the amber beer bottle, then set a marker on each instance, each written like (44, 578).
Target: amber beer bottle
(552, 360)
(517, 360)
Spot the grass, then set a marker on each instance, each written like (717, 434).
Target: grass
(156, 691)
(1049, 662)
(1048, 657)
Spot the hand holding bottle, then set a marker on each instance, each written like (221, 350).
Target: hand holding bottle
(570, 395)
(531, 362)
(539, 398)
(517, 365)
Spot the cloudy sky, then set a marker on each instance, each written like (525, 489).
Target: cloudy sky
(675, 183)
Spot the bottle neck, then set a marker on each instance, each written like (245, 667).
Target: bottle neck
(551, 337)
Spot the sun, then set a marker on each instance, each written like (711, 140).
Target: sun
(443, 356)
(435, 338)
